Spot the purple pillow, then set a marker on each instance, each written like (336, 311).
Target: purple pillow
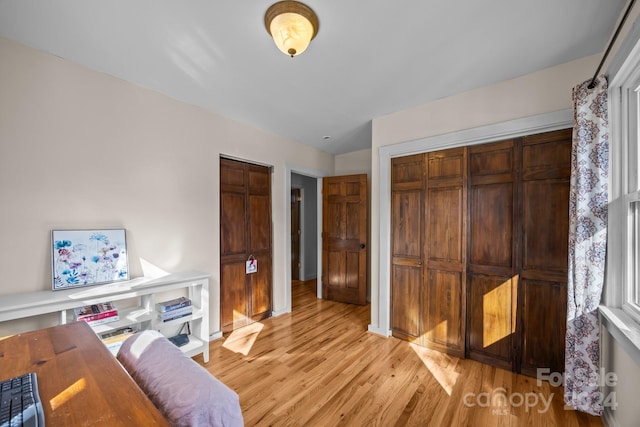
(185, 392)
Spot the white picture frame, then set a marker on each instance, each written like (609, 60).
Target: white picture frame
(88, 257)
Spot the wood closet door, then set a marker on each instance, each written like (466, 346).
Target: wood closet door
(492, 253)
(245, 230)
(259, 243)
(428, 193)
(546, 172)
(445, 251)
(407, 235)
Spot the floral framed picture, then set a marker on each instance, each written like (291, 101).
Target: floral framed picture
(88, 257)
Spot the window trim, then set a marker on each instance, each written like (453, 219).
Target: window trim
(631, 288)
(620, 314)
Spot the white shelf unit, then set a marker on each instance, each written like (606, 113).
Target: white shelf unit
(145, 291)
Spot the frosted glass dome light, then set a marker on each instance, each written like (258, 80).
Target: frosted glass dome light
(292, 25)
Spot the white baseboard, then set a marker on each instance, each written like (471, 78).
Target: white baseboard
(215, 336)
(277, 313)
(379, 331)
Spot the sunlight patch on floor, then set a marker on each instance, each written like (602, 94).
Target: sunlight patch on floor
(441, 366)
(241, 340)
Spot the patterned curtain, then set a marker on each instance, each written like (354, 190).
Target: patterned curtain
(588, 199)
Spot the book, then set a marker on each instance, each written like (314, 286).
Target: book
(178, 316)
(97, 312)
(102, 321)
(173, 304)
(174, 314)
(118, 334)
(113, 340)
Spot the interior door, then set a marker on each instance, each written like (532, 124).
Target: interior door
(260, 246)
(295, 233)
(445, 251)
(344, 238)
(492, 253)
(245, 233)
(546, 172)
(407, 234)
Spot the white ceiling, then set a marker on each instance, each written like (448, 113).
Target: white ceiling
(370, 57)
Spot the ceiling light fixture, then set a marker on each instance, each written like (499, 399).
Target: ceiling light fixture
(292, 25)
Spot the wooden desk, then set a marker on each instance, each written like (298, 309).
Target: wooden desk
(79, 381)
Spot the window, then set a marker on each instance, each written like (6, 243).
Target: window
(624, 212)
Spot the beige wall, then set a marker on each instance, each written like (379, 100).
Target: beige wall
(353, 163)
(529, 95)
(81, 149)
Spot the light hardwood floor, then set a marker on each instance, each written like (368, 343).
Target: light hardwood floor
(318, 366)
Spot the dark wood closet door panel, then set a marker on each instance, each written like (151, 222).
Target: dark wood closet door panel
(491, 329)
(260, 285)
(492, 250)
(492, 196)
(544, 308)
(232, 176)
(407, 198)
(545, 227)
(233, 296)
(233, 239)
(445, 228)
(445, 318)
(259, 200)
(406, 224)
(494, 160)
(545, 232)
(407, 173)
(259, 223)
(444, 250)
(405, 302)
(547, 155)
(491, 236)
(245, 231)
(446, 167)
(259, 178)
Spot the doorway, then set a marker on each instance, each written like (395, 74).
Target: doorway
(304, 243)
(296, 233)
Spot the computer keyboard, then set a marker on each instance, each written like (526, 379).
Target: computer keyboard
(20, 405)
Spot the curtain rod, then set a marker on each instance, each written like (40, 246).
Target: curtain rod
(611, 43)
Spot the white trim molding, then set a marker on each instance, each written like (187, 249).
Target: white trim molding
(301, 170)
(547, 122)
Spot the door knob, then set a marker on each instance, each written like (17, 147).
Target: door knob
(361, 245)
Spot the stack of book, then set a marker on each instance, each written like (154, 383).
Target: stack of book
(114, 339)
(97, 314)
(174, 309)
